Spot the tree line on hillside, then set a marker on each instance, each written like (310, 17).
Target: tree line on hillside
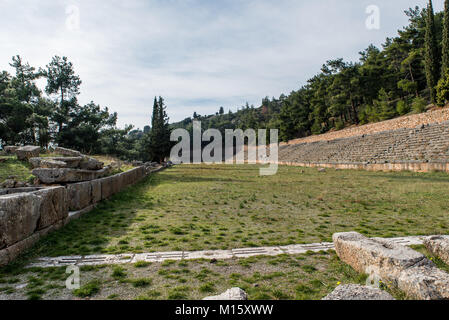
(406, 75)
(28, 116)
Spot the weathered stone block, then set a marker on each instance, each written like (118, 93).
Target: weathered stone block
(107, 188)
(27, 152)
(424, 283)
(80, 195)
(358, 292)
(91, 164)
(379, 256)
(10, 149)
(438, 246)
(54, 206)
(19, 216)
(67, 152)
(65, 175)
(231, 294)
(96, 191)
(18, 248)
(46, 163)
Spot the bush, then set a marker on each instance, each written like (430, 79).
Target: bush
(443, 90)
(402, 107)
(88, 290)
(419, 105)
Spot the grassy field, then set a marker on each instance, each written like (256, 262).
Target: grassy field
(223, 207)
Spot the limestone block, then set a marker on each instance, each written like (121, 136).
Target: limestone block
(379, 256)
(54, 206)
(66, 175)
(231, 294)
(107, 188)
(424, 283)
(438, 246)
(19, 215)
(27, 152)
(10, 149)
(96, 191)
(67, 152)
(91, 164)
(79, 195)
(358, 292)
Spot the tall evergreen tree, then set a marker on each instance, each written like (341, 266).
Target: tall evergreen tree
(431, 53)
(445, 59)
(158, 143)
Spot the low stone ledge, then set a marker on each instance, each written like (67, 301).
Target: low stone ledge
(23, 214)
(229, 295)
(66, 175)
(438, 246)
(396, 265)
(73, 215)
(358, 292)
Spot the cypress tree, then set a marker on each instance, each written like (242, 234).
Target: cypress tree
(159, 137)
(445, 39)
(431, 53)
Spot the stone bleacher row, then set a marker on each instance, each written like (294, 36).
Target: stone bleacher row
(428, 143)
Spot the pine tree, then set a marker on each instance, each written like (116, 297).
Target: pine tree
(445, 59)
(431, 53)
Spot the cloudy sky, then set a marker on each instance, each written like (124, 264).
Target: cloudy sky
(198, 54)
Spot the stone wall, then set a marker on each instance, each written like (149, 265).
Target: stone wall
(27, 215)
(421, 149)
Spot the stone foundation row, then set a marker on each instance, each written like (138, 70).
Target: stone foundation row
(30, 213)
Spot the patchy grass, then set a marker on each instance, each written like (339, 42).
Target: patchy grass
(286, 278)
(223, 207)
(21, 170)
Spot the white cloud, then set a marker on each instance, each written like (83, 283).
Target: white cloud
(198, 54)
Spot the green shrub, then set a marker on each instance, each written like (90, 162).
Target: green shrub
(88, 290)
(443, 90)
(402, 107)
(419, 105)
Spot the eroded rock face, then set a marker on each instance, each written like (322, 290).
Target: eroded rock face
(53, 206)
(438, 246)
(27, 152)
(398, 266)
(358, 292)
(231, 294)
